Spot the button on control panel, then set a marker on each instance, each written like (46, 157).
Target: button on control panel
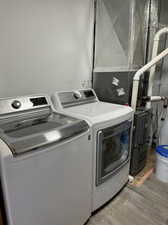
(16, 104)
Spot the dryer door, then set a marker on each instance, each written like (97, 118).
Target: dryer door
(113, 150)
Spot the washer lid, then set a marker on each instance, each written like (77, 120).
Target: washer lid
(30, 134)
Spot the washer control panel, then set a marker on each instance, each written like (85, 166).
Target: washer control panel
(11, 105)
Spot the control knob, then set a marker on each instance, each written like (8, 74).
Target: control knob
(16, 104)
(77, 95)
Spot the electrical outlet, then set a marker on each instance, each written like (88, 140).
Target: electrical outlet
(86, 84)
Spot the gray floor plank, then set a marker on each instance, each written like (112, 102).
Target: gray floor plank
(146, 205)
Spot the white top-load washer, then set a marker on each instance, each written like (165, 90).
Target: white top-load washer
(45, 164)
(111, 132)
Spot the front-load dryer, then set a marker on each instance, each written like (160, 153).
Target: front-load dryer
(111, 131)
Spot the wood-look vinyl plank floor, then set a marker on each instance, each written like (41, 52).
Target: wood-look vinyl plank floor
(145, 205)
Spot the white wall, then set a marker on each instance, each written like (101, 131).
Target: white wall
(45, 45)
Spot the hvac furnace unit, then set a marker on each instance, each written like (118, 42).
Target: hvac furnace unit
(116, 87)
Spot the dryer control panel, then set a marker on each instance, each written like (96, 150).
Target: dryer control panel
(78, 97)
